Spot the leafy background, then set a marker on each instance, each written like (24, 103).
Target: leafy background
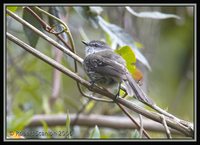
(167, 44)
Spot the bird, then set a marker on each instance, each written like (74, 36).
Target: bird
(108, 69)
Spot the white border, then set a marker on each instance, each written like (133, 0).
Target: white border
(194, 5)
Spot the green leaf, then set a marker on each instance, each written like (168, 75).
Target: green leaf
(45, 103)
(82, 11)
(90, 106)
(31, 36)
(88, 14)
(139, 45)
(20, 120)
(108, 38)
(95, 10)
(128, 55)
(152, 15)
(135, 134)
(12, 8)
(122, 38)
(68, 125)
(46, 128)
(95, 133)
(83, 35)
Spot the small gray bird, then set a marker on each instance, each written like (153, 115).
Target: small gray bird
(108, 69)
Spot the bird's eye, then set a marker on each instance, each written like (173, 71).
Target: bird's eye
(96, 45)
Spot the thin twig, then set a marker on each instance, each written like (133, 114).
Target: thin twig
(182, 123)
(80, 111)
(67, 30)
(133, 120)
(56, 79)
(141, 125)
(46, 26)
(166, 127)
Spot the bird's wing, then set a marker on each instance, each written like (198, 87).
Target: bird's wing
(109, 67)
(113, 56)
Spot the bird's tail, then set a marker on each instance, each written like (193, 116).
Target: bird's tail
(128, 88)
(140, 95)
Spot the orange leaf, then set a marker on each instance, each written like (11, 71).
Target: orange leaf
(138, 76)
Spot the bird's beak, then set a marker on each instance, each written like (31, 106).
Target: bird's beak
(84, 42)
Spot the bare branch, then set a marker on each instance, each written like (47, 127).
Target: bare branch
(116, 122)
(134, 121)
(156, 117)
(141, 125)
(166, 127)
(56, 79)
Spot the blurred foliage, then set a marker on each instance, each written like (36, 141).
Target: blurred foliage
(28, 32)
(68, 125)
(167, 44)
(46, 128)
(11, 8)
(95, 133)
(135, 134)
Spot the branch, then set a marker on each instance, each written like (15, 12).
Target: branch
(139, 127)
(168, 133)
(156, 117)
(56, 79)
(116, 122)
